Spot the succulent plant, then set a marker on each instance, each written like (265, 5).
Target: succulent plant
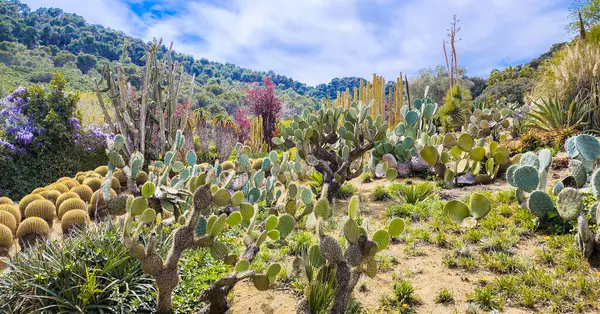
(13, 210)
(569, 203)
(5, 200)
(578, 172)
(489, 122)
(540, 203)
(93, 183)
(73, 219)
(62, 188)
(8, 220)
(84, 192)
(26, 200)
(479, 207)
(465, 161)
(69, 205)
(357, 259)
(6, 240)
(65, 196)
(44, 209)
(332, 140)
(583, 146)
(31, 230)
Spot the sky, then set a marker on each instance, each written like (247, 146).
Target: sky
(314, 41)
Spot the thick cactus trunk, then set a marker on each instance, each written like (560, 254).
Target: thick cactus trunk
(164, 301)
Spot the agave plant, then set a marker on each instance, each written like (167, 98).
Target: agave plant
(551, 115)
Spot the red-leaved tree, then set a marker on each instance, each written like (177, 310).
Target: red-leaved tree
(241, 119)
(263, 102)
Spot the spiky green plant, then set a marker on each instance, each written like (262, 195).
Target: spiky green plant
(456, 109)
(551, 115)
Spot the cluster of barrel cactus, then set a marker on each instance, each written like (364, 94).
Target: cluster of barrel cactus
(357, 259)
(489, 122)
(31, 219)
(334, 140)
(464, 160)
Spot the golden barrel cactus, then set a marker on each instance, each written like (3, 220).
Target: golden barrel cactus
(64, 197)
(51, 195)
(5, 200)
(59, 187)
(121, 177)
(115, 184)
(8, 220)
(141, 178)
(69, 205)
(41, 208)
(28, 199)
(102, 170)
(13, 210)
(71, 183)
(93, 183)
(84, 192)
(97, 206)
(32, 229)
(228, 165)
(6, 240)
(74, 219)
(39, 190)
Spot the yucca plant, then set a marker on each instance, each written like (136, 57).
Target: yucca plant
(412, 193)
(550, 115)
(456, 109)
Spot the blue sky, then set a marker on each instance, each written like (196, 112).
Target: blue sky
(314, 41)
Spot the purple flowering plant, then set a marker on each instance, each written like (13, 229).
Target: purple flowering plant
(33, 119)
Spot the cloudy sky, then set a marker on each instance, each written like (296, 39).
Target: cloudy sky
(314, 41)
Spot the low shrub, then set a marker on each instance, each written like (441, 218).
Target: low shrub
(89, 272)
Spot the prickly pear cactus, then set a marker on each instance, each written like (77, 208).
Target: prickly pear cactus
(332, 140)
(569, 203)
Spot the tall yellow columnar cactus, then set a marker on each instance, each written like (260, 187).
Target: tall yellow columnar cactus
(257, 142)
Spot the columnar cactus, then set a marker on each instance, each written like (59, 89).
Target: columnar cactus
(140, 118)
(331, 140)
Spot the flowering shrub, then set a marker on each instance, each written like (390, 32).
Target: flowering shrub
(42, 139)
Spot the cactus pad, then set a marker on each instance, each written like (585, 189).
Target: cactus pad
(221, 198)
(530, 159)
(331, 249)
(382, 238)
(286, 224)
(261, 282)
(559, 186)
(569, 203)
(396, 227)
(457, 210)
(219, 250)
(351, 231)
(588, 146)
(321, 209)
(577, 170)
(540, 203)
(479, 205)
(527, 178)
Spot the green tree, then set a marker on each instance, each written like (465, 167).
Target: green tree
(85, 62)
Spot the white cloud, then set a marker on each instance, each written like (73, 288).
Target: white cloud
(316, 40)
